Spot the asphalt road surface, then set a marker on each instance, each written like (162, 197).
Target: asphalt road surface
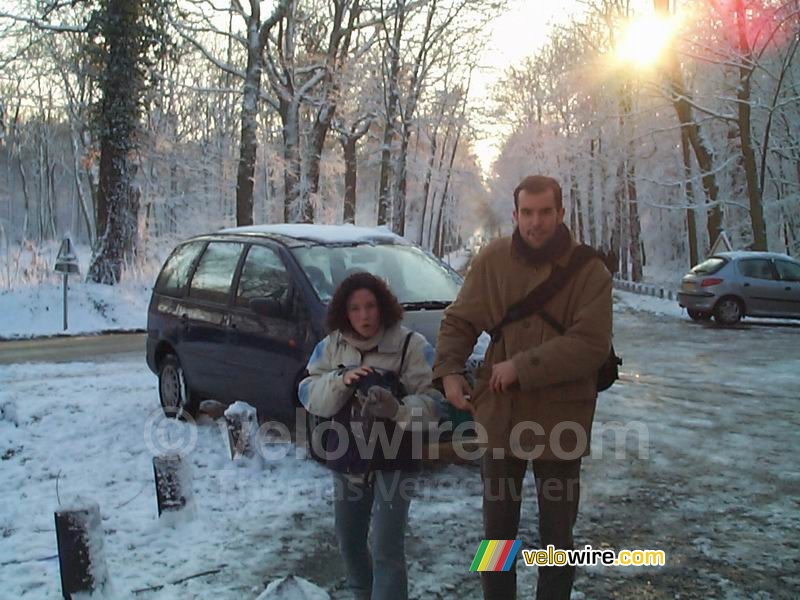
(72, 348)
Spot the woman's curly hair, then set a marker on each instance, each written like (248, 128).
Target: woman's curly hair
(390, 310)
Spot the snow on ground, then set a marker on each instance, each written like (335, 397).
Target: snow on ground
(648, 304)
(38, 310)
(705, 469)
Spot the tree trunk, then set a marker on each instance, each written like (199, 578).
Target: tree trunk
(384, 199)
(350, 179)
(754, 191)
(82, 201)
(620, 239)
(292, 168)
(590, 197)
(121, 92)
(633, 221)
(399, 200)
(26, 198)
(248, 145)
(691, 219)
(426, 188)
(680, 98)
(338, 48)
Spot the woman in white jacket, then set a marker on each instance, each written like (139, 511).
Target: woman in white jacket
(375, 476)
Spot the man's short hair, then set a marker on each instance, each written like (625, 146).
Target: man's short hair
(536, 184)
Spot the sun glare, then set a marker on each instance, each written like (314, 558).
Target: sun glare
(644, 40)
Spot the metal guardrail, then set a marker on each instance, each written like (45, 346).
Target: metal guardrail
(644, 289)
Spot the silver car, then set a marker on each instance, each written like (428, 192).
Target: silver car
(732, 285)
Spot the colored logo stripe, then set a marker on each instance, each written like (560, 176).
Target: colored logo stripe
(476, 562)
(487, 556)
(498, 551)
(495, 555)
(512, 553)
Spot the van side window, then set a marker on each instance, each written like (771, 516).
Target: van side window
(214, 273)
(175, 274)
(263, 276)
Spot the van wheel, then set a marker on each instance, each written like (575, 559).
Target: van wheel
(177, 399)
(728, 311)
(698, 315)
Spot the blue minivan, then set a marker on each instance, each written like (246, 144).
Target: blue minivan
(235, 314)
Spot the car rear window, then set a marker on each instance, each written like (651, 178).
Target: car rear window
(177, 269)
(709, 266)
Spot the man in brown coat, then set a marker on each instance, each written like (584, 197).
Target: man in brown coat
(535, 396)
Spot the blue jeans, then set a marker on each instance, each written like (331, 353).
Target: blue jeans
(375, 570)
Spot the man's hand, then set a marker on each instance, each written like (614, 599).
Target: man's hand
(380, 403)
(455, 387)
(352, 376)
(504, 375)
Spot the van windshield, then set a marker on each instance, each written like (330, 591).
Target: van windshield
(413, 276)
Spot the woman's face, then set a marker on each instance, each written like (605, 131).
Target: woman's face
(363, 313)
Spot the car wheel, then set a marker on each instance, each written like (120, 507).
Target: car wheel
(728, 311)
(698, 315)
(177, 399)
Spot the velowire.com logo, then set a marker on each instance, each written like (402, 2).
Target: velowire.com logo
(495, 555)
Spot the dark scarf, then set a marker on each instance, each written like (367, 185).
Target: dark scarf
(550, 252)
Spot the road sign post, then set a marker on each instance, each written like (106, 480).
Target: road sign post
(66, 263)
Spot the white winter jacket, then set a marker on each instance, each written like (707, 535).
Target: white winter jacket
(324, 393)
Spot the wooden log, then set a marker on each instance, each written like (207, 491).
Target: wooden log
(79, 535)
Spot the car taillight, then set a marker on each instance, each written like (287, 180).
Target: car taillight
(710, 281)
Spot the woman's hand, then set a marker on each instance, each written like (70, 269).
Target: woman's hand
(352, 376)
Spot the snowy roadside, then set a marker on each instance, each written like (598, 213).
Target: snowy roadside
(92, 308)
(32, 296)
(36, 311)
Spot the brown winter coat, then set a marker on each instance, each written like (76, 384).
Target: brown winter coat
(557, 373)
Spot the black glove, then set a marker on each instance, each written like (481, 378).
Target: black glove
(380, 403)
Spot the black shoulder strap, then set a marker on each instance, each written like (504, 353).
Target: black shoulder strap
(541, 294)
(403, 355)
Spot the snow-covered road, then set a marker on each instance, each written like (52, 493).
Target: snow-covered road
(704, 469)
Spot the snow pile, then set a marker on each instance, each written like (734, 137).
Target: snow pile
(243, 434)
(8, 413)
(647, 304)
(293, 588)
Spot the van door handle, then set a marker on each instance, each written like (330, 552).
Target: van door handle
(746, 285)
(185, 322)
